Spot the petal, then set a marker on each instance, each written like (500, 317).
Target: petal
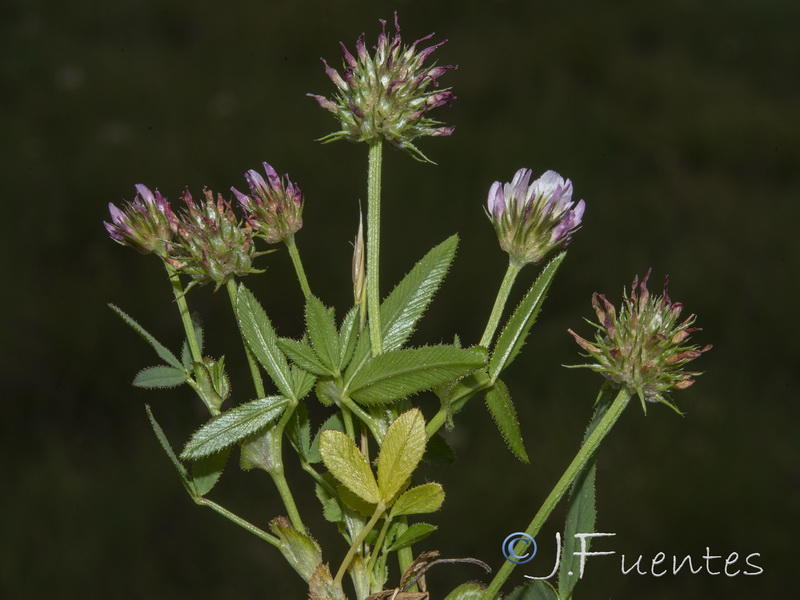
(116, 214)
(256, 183)
(143, 191)
(496, 202)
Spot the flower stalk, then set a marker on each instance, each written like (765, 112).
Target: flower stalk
(374, 245)
(514, 267)
(588, 448)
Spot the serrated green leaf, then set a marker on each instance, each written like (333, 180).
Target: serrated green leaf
(303, 356)
(348, 336)
(333, 422)
(260, 337)
(183, 474)
(233, 425)
(519, 325)
(401, 373)
(302, 382)
(348, 465)
(160, 377)
(467, 591)
(425, 498)
(536, 590)
(415, 533)
(207, 471)
(186, 353)
(298, 430)
(167, 356)
(405, 305)
(322, 333)
(500, 406)
(402, 449)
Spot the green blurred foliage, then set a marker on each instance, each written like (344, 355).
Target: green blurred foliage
(677, 122)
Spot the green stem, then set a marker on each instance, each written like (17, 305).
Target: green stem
(405, 556)
(239, 521)
(588, 448)
(298, 265)
(364, 417)
(481, 382)
(378, 544)
(374, 244)
(379, 510)
(183, 308)
(348, 423)
(319, 479)
(251, 360)
(513, 270)
(278, 476)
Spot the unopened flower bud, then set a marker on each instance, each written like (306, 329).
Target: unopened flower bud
(642, 347)
(533, 218)
(387, 95)
(274, 207)
(212, 245)
(147, 224)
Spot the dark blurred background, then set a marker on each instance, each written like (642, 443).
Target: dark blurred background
(678, 123)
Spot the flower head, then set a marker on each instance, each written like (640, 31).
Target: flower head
(643, 347)
(212, 244)
(147, 224)
(387, 95)
(532, 219)
(274, 207)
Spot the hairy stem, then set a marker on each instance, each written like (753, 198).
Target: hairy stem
(374, 244)
(379, 510)
(183, 308)
(513, 270)
(298, 265)
(588, 449)
(278, 476)
(239, 521)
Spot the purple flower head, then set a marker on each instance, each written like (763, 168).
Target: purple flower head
(533, 218)
(147, 224)
(643, 345)
(274, 207)
(387, 95)
(212, 244)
